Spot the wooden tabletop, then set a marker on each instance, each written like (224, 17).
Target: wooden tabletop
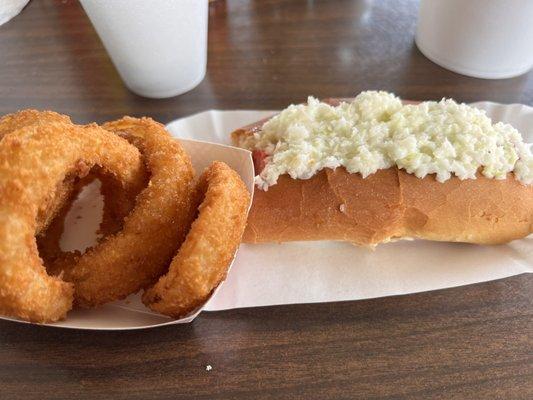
(473, 342)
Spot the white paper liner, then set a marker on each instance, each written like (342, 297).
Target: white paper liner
(131, 313)
(10, 9)
(311, 272)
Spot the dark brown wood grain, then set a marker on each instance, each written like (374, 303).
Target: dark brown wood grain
(472, 342)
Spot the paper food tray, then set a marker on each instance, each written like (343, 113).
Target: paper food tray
(311, 272)
(131, 312)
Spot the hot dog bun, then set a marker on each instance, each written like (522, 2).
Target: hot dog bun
(388, 205)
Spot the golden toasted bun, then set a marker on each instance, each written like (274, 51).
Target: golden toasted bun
(388, 205)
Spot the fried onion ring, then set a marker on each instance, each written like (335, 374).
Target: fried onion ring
(136, 256)
(33, 160)
(20, 119)
(202, 261)
(51, 206)
(119, 197)
(118, 202)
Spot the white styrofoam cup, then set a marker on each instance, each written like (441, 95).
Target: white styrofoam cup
(159, 47)
(489, 39)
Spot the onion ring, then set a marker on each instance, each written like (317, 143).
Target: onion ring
(118, 202)
(32, 162)
(48, 240)
(136, 256)
(20, 119)
(119, 197)
(11, 122)
(203, 260)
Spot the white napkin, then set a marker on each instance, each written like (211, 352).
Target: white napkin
(311, 272)
(10, 8)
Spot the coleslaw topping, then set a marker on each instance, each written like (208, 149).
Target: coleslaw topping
(376, 131)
